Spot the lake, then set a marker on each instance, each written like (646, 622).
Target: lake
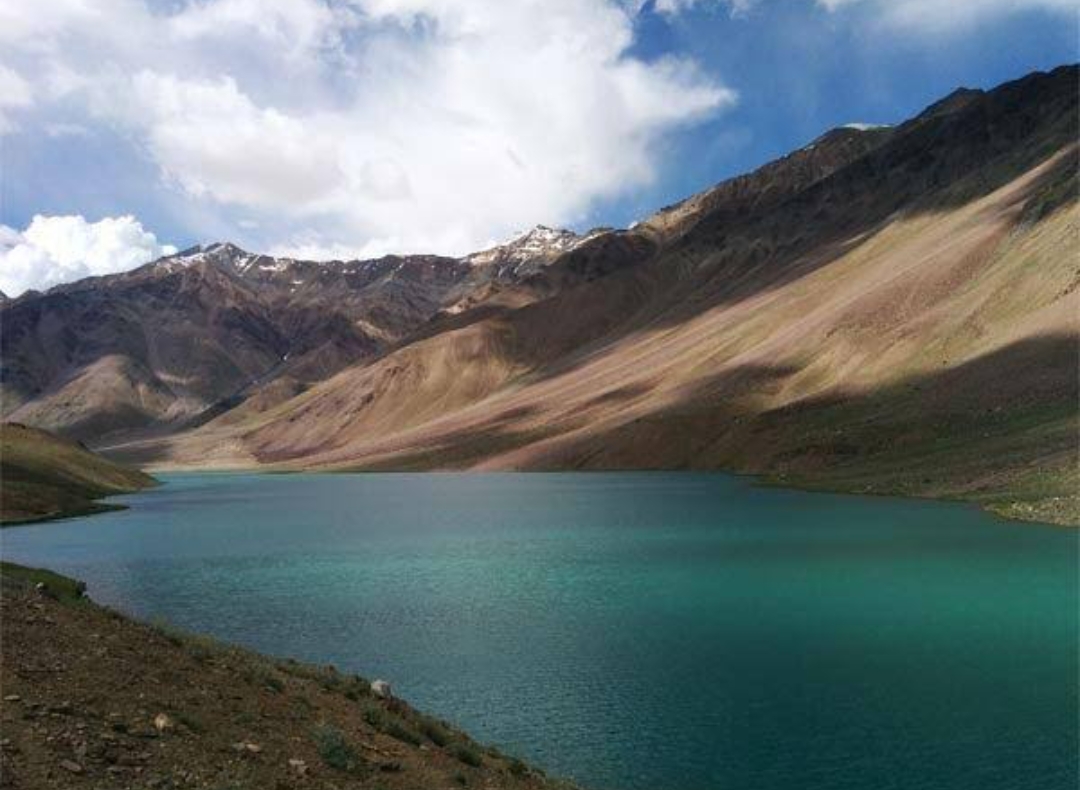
(660, 631)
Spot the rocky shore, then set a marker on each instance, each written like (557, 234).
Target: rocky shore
(92, 699)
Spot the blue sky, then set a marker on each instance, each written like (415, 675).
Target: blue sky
(357, 127)
(800, 72)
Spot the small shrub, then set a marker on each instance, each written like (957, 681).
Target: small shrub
(201, 648)
(399, 730)
(335, 751)
(325, 677)
(265, 676)
(245, 718)
(376, 717)
(259, 675)
(171, 634)
(435, 732)
(390, 725)
(289, 666)
(467, 754)
(357, 688)
(517, 768)
(192, 723)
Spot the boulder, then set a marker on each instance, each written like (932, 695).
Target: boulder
(381, 689)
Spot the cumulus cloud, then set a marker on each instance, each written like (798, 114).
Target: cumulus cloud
(294, 26)
(54, 250)
(378, 125)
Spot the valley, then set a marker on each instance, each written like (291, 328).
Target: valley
(887, 310)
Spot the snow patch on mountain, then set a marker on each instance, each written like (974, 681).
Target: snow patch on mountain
(866, 127)
(539, 245)
(522, 255)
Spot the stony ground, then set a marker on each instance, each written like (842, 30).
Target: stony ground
(92, 699)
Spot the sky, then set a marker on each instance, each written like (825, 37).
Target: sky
(354, 128)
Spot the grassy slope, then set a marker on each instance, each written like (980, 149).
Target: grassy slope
(233, 718)
(43, 476)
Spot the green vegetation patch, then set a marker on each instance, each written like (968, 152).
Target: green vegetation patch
(435, 732)
(62, 588)
(43, 476)
(468, 754)
(335, 750)
(391, 724)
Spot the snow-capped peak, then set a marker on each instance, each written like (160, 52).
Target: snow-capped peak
(540, 242)
(224, 252)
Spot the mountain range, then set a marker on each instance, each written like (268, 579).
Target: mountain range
(885, 310)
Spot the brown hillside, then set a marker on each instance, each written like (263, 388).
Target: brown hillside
(900, 317)
(43, 476)
(94, 700)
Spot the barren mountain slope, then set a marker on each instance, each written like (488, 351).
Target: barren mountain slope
(181, 340)
(902, 320)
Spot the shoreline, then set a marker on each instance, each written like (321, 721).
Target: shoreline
(1003, 510)
(149, 703)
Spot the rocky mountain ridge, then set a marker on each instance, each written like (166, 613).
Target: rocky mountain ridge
(884, 309)
(162, 344)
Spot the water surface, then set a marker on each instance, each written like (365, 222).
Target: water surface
(645, 631)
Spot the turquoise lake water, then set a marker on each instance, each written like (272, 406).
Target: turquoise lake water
(638, 631)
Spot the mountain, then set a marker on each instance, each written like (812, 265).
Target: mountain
(48, 477)
(188, 337)
(887, 309)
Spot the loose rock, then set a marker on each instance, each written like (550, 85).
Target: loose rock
(381, 689)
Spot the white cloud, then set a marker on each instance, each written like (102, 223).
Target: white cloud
(15, 93)
(380, 125)
(938, 16)
(211, 139)
(54, 250)
(292, 25)
(387, 125)
(62, 129)
(944, 16)
(31, 24)
(309, 247)
(672, 7)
